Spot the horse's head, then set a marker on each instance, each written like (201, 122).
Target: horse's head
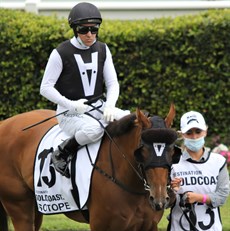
(156, 155)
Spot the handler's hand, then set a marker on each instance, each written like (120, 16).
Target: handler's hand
(193, 197)
(175, 184)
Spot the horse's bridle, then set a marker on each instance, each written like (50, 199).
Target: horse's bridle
(151, 164)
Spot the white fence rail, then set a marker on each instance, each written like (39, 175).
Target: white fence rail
(119, 9)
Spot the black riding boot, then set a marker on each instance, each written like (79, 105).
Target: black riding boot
(63, 154)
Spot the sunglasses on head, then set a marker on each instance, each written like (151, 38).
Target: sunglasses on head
(195, 131)
(86, 29)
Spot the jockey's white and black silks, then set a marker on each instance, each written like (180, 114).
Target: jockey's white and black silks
(99, 63)
(82, 70)
(74, 72)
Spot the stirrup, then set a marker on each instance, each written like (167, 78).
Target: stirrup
(60, 164)
(64, 172)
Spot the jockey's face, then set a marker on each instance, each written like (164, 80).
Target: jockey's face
(88, 33)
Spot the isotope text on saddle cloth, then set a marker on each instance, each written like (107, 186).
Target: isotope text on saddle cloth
(51, 203)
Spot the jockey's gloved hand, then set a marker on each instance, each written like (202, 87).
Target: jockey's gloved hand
(79, 106)
(109, 112)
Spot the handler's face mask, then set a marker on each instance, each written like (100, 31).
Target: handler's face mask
(194, 144)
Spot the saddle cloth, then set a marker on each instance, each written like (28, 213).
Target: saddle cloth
(54, 192)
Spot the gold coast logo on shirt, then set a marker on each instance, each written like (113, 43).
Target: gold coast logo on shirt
(200, 180)
(195, 178)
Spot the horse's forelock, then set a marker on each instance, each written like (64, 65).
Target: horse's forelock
(157, 122)
(120, 127)
(159, 135)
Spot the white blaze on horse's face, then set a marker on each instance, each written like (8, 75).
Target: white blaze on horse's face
(159, 148)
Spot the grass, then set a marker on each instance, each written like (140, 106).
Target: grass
(60, 222)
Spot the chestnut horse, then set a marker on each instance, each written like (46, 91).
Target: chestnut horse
(131, 196)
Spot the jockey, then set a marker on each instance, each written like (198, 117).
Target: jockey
(77, 71)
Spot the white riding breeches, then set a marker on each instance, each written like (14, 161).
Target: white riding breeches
(85, 128)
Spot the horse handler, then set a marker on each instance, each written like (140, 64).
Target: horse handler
(77, 71)
(200, 180)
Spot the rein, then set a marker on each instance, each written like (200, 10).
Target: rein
(190, 218)
(189, 213)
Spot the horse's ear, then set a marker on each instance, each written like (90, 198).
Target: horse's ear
(142, 118)
(171, 115)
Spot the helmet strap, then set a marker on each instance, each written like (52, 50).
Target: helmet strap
(75, 31)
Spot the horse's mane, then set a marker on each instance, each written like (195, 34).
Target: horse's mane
(120, 127)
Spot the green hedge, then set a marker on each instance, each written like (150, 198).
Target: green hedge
(185, 60)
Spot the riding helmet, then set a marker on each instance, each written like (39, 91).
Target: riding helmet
(84, 13)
